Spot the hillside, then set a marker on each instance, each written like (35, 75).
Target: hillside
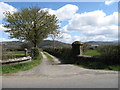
(50, 43)
(17, 44)
(101, 42)
(11, 44)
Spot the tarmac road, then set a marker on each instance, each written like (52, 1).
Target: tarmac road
(59, 75)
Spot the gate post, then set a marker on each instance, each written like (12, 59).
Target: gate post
(77, 48)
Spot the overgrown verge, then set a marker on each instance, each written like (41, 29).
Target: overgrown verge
(49, 57)
(107, 57)
(22, 66)
(64, 54)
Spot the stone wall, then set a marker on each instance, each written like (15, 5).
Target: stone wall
(15, 60)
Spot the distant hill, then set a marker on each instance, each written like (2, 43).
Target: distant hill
(11, 44)
(50, 43)
(17, 44)
(101, 42)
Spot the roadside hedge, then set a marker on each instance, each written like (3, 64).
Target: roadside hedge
(109, 55)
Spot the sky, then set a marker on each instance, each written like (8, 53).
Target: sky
(79, 21)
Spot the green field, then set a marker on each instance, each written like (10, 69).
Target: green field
(97, 65)
(92, 53)
(12, 54)
(16, 52)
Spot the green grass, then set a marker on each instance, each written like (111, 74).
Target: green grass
(99, 66)
(16, 52)
(22, 66)
(114, 67)
(49, 57)
(12, 54)
(92, 53)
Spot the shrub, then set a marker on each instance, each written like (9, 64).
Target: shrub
(64, 54)
(34, 52)
(109, 53)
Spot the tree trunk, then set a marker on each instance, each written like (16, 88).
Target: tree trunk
(34, 45)
(53, 44)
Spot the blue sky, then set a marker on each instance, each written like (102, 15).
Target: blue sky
(83, 21)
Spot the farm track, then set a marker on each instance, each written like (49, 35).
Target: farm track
(59, 75)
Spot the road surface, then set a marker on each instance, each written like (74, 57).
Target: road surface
(59, 75)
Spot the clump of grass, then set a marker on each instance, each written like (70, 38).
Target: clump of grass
(22, 66)
(92, 53)
(99, 65)
(113, 67)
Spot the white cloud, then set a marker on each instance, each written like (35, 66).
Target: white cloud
(91, 26)
(2, 28)
(66, 38)
(109, 2)
(5, 39)
(65, 12)
(95, 25)
(94, 18)
(5, 7)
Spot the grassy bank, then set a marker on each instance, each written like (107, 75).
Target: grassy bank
(99, 66)
(22, 66)
(49, 57)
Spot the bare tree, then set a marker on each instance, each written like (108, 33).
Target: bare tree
(55, 35)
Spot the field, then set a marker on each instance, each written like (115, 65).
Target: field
(92, 53)
(12, 54)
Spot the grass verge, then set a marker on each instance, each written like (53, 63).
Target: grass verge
(22, 66)
(49, 57)
(100, 66)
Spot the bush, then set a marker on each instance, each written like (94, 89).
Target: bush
(64, 54)
(109, 53)
(35, 52)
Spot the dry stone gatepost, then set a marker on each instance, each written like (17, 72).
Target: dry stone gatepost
(26, 52)
(77, 48)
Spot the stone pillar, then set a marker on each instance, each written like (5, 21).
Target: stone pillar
(77, 48)
(81, 49)
(26, 52)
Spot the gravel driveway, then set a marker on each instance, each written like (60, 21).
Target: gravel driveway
(59, 75)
